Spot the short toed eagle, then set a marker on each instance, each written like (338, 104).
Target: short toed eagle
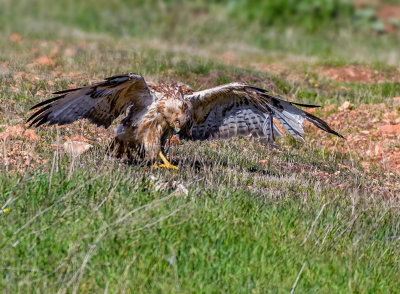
(155, 112)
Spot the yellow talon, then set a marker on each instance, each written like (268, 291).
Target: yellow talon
(166, 164)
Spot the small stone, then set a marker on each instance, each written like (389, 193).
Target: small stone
(76, 148)
(345, 105)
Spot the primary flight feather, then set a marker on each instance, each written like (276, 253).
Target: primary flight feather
(156, 112)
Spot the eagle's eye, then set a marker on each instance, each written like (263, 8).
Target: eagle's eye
(177, 121)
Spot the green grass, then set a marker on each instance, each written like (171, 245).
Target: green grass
(323, 28)
(109, 228)
(95, 224)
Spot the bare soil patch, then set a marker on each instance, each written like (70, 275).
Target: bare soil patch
(361, 74)
(372, 133)
(23, 148)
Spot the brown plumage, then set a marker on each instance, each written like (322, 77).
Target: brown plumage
(155, 112)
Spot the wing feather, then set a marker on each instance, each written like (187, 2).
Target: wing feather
(101, 103)
(238, 109)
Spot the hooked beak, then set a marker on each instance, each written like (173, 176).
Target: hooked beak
(176, 130)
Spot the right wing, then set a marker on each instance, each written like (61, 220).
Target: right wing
(101, 103)
(238, 109)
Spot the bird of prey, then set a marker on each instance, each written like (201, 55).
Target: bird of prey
(153, 113)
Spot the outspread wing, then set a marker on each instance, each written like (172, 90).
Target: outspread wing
(101, 103)
(238, 109)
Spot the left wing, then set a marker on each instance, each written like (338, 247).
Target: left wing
(101, 103)
(238, 109)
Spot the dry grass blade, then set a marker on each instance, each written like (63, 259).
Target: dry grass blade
(313, 224)
(297, 278)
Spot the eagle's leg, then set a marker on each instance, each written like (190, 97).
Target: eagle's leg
(166, 163)
(155, 165)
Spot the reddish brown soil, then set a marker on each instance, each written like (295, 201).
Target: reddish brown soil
(361, 74)
(372, 134)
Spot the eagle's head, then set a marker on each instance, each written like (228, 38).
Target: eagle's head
(176, 110)
(176, 113)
